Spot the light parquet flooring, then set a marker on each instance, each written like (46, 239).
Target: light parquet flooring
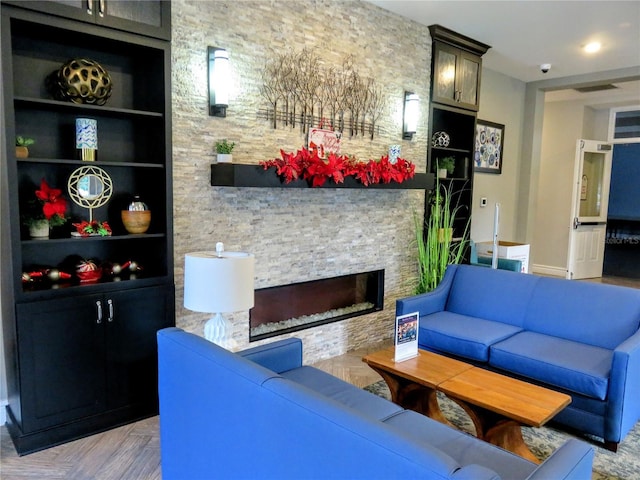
(128, 452)
(132, 452)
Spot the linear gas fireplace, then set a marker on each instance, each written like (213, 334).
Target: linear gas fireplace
(289, 308)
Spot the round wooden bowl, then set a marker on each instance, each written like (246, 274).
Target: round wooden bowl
(136, 221)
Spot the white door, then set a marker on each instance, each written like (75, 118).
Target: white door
(590, 201)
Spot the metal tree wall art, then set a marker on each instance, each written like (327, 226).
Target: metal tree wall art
(302, 92)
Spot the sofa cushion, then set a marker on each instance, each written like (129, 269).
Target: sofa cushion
(570, 365)
(462, 447)
(501, 295)
(345, 393)
(591, 313)
(462, 335)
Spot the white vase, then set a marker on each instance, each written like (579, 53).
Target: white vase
(442, 173)
(39, 229)
(225, 158)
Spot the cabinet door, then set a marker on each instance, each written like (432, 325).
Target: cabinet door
(152, 18)
(61, 359)
(468, 80)
(444, 74)
(133, 318)
(77, 9)
(145, 17)
(456, 77)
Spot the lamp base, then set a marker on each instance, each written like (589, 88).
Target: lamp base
(216, 330)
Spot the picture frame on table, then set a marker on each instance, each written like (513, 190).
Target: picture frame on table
(406, 336)
(489, 147)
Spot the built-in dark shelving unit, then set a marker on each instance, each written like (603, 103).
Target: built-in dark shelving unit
(81, 356)
(455, 96)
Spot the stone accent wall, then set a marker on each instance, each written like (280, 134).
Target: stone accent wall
(295, 234)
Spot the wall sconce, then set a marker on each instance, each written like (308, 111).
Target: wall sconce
(219, 81)
(410, 116)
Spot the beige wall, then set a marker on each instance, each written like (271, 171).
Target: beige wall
(535, 223)
(563, 125)
(501, 101)
(295, 235)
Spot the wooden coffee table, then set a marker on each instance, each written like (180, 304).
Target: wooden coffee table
(413, 383)
(497, 404)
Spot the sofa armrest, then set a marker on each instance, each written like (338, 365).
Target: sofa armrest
(278, 356)
(624, 389)
(572, 461)
(430, 302)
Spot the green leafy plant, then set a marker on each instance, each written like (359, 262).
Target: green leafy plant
(448, 163)
(24, 141)
(224, 146)
(436, 247)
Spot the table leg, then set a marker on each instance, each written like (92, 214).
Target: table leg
(413, 396)
(508, 435)
(497, 429)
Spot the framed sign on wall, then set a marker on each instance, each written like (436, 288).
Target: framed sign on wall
(487, 155)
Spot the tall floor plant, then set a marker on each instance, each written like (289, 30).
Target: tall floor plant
(434, 237)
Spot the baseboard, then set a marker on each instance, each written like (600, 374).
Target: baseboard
(549, 270)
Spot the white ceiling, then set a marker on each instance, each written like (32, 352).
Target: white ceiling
(524, 34)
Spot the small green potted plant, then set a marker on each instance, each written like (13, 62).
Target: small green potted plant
(21, 146)
(445, 165)
(224, 149)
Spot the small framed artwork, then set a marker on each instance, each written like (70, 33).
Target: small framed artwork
(324, 141)
(487, 154)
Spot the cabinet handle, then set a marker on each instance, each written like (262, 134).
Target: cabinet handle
(101, 8)
(458, 95)
(89, 7)
(110, 305)
(99, 311)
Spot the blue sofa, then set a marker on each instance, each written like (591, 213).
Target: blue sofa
(262, 414)
(580, 338)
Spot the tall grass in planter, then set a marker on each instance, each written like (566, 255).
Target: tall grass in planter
(436, 246)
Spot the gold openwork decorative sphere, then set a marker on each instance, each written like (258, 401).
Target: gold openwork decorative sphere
(81, 81)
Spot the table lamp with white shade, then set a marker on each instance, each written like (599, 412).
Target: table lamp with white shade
(218, 282)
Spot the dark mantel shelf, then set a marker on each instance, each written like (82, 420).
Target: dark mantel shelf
(237, 175)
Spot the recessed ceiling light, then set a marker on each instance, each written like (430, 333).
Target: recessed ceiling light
(592, 47)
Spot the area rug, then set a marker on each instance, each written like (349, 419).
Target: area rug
(623, 465)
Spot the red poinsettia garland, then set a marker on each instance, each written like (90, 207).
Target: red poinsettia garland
(307, 165)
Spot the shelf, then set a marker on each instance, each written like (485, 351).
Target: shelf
(447, 149)
(453, 179)
(237, 175)
(50, 290)
(110, 238)
(102, 163)
(94, 109)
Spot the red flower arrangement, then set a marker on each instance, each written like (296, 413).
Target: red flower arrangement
(86, 229)
(309, 166)
(49, 206)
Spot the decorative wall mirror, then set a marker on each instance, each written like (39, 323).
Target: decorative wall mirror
(90, 187)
